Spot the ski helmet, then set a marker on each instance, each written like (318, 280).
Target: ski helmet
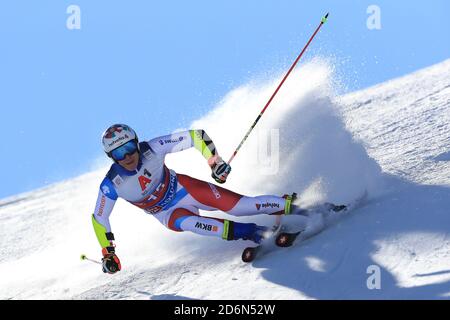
(116, 136)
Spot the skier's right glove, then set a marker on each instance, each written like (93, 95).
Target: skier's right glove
(110, 262)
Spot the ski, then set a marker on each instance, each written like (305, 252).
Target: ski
(286, 239)
(250, 253)
(283, 236)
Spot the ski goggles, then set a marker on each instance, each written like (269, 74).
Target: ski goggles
(121, 152)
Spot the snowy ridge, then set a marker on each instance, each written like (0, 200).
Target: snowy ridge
(414, 108)
(392, 139)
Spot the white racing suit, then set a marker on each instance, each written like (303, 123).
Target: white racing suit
(175, 199)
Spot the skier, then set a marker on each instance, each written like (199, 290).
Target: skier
(140, 176)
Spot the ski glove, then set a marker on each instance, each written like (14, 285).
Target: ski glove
(220, 170)
(110, 262)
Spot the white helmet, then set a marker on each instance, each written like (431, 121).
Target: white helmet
(117, 135)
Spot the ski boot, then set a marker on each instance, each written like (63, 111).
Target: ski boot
(291, 209)
(245, 231)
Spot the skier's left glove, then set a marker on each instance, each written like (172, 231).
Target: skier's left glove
(220, 169)
(110, 262)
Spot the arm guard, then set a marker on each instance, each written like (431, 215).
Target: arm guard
(203, 143)
(104, 237)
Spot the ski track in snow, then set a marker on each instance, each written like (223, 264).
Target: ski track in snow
(392, 139)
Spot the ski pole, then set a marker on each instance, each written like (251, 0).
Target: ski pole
(324, 19)
(84, 257)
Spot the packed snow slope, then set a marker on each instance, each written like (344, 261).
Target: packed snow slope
(392, 140)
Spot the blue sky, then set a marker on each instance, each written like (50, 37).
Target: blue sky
(158, 65)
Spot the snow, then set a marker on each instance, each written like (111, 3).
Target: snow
(392, 140)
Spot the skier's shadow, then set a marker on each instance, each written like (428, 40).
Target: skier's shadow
(334, 264)
(166, 296)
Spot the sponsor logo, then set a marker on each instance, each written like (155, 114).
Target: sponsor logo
(118, 140)
(102, 206)
(147, 173)
(206, 227)
(106, 190)
(162, 142)
(270, 205)
(267, 205)
(112, 131)
(170, 192)
(147, 154)
(154, 209)
(215, 191)
(144, 181)
(117, 181)
(198, 133)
